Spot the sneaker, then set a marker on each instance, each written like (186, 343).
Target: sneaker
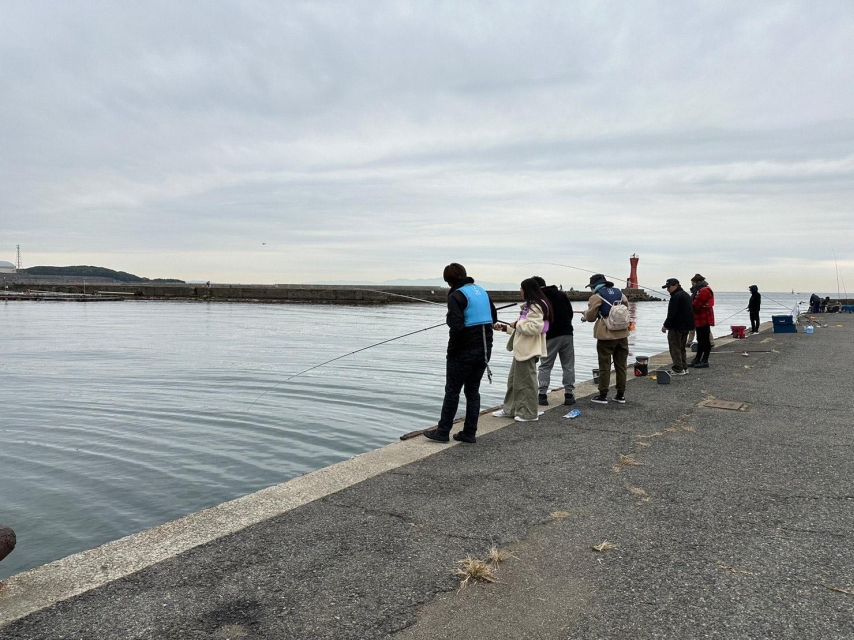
(702, 365)
(462, 436)
(568, 399)
(435, 434)
(620, 397)
(521, 419)
(543, 399)
(501, 413)
(600, 399)
(674, 372)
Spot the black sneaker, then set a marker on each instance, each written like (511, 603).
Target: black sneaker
(543, 399)
(701, 365)
(568, 399)
(620, 397)
(462, 436)
(600, 399)
(435, 434)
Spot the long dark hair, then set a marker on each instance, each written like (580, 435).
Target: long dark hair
(534, 295)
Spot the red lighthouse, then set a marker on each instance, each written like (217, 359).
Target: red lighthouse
(632, 282)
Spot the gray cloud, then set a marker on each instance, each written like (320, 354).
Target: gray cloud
(374, 140)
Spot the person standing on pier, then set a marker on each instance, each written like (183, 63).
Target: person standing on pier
(559, 342)
(703, 302)
(611, 344)
(528, 344)
(753, 307)
(470, 317)
(678, 324)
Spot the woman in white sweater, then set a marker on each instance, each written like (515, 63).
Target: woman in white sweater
(528, 344)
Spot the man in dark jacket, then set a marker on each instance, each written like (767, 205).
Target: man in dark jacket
(559, 342)
(678, 324)
(753, 307)
(471, 315)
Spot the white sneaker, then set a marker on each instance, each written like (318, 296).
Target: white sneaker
(500, 414)
(520, 419)
(673, 372)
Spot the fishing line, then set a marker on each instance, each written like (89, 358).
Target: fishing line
(355, 351)
(400, 295)
(616, 279)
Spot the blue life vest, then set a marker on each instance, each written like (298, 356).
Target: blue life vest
(477, 311)
(612, 296)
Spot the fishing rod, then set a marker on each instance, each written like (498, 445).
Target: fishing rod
(355, 351)
(615, 278)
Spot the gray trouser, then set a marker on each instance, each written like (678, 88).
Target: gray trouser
(521, 397)
(562, 346)
(676, 341)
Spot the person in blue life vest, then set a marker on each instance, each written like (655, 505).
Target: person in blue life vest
(470, 318)
(611, 344)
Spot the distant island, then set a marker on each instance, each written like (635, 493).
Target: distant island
(86, 271)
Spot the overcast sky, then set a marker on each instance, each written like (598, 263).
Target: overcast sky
(371, 141)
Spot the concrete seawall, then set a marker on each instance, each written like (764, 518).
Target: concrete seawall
(279, 293)
(727, 522)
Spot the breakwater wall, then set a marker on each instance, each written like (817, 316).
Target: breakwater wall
(276, 293)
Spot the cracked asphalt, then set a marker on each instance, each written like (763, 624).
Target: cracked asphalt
(727, 524)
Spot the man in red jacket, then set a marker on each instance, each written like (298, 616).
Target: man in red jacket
(703, 302)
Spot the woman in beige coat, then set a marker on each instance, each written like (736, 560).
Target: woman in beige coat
(528, 344)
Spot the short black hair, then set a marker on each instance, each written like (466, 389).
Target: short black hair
(454, 272)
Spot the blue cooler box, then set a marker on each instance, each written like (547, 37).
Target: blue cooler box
(783, 324)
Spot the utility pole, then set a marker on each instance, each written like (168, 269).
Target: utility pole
(19, 258)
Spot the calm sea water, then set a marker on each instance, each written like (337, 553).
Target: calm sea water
(118, 416)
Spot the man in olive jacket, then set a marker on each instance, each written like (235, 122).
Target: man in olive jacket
(611, 345)
(678, 324)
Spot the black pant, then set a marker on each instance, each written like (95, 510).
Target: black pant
(462, 373)
(704, 344)
(754, 320)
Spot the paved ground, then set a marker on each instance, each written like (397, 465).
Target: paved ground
(732, 524)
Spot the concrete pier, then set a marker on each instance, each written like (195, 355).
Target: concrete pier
(728, 496)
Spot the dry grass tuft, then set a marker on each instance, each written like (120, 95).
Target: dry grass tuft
(629, 460)
(643, 444)
(496, 556)
(849, 592)
(671, 429)
(560, 515)
(604, 546)
(474, 570)
(688, 427)
(651, 435)
(637, 491)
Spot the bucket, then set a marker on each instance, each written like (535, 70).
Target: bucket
(809, 330)
(641, 366)
(662, 376)
(738, 331)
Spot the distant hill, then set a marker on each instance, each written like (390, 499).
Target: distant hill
(85, 271)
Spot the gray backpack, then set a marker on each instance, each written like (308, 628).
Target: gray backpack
(618, 317)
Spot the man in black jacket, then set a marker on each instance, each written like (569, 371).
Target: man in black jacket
(471, 315)
(678, 324)
(753, 307)
(559, 342)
